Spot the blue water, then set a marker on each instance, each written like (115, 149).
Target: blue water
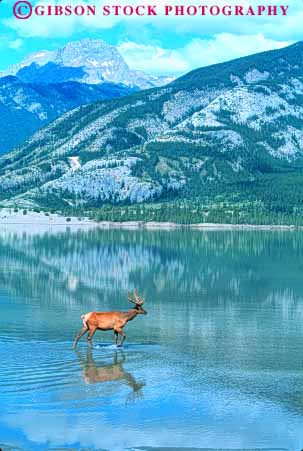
(216, 363)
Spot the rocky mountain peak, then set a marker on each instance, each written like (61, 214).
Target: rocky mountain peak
(100, 62)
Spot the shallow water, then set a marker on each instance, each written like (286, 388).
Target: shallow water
(216, 363)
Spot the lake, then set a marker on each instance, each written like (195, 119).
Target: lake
(216, 363)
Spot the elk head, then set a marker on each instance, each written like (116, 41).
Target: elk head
(138, 302)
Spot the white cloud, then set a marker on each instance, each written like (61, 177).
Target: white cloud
(16, 44)
(197, 53)
(153, 59)
(273, 27)
(56, 26)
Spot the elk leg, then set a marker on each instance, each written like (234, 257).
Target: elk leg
(123, 335)
(80, 334)
(116, 338)
(91, 334)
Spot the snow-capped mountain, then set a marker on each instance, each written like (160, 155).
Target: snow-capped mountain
(96, 61)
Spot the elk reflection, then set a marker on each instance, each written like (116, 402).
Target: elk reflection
(95, 374)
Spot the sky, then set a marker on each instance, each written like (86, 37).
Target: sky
(157, 45)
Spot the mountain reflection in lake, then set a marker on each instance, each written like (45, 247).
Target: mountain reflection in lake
(216, 363)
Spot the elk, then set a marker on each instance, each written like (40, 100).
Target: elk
(115, 321)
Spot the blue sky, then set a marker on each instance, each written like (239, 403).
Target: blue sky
(157, 45)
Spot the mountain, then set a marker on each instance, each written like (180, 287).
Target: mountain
(89, 61)
(47, 84)
(26, 107)
(225, 138)
(49, 73)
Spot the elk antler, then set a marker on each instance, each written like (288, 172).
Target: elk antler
(130, 298)
(138, 301)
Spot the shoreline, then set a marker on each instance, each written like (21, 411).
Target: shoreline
(199, 226)
(33, 219)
